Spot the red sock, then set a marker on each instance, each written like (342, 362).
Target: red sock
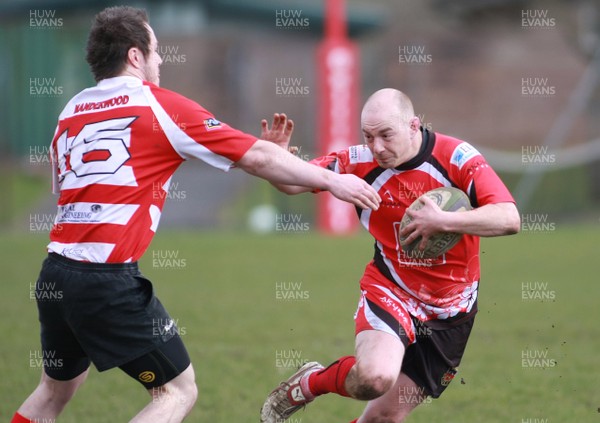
(17, 418)
(332, 378)
(354, 421)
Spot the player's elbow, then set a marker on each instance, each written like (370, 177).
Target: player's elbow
(512, 219)
(255, 160)
(290, 189)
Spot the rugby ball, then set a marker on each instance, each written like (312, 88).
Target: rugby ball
(448, 199)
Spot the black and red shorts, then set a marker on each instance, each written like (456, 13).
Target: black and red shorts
(108, 314)
(433, 349)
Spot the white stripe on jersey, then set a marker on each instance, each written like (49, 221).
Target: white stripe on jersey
(385, 176)
(96, 252)
(167, 184)
(336, 167)
(424, 311)
(154, 216)
(95, 213)
(183, 144)
(395, 275)
(434, 173)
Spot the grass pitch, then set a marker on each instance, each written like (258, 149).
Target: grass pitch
(251, 308)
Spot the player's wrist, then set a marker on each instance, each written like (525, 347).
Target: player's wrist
(328, 180)
(451, 222)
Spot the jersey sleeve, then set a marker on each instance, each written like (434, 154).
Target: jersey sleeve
(476, 177)
(346, 160)
(195, 133)
(331, 162)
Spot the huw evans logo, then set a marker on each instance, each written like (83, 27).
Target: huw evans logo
(289, 291)
(290, 359)
(45, 291)
(290, 222)
(537, 222)
(536, 87)
(291, 19)
(168, 259)
(537, 291)
(537, 359)
(44, 87)
(44, 19)
(170, 54)
(291, 87)
(413, 54)
(44, 359)
(537, 155)
(537, 18)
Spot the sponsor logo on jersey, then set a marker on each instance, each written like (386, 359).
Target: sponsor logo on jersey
(212, 123)
(462, 154)
(69, 213)
(118, 214)
(95, 105)
(73, 252)
(360, 154)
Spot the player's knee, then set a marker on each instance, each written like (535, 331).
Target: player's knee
(187, 395)
(57, 394)
(190, 393)
(60, 392)
(180, 392)
(188, 383)
(374, 385)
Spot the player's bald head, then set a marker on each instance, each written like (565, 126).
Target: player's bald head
(391, 101)
(390, 128)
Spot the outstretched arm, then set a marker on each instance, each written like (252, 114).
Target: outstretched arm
(278, 166)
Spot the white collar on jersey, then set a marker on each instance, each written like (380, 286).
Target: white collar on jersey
(119, 80)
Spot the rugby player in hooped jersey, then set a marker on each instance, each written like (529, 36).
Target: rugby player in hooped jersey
(114, 152)
(414, 315)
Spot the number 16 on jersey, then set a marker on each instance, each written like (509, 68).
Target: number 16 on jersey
(96, 155)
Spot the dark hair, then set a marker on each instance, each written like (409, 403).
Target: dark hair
(114, 31)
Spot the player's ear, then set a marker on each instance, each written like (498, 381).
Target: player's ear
(134, 56)
(415, 123)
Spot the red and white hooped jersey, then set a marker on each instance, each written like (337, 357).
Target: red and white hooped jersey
(445, 286)
(115, 149)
